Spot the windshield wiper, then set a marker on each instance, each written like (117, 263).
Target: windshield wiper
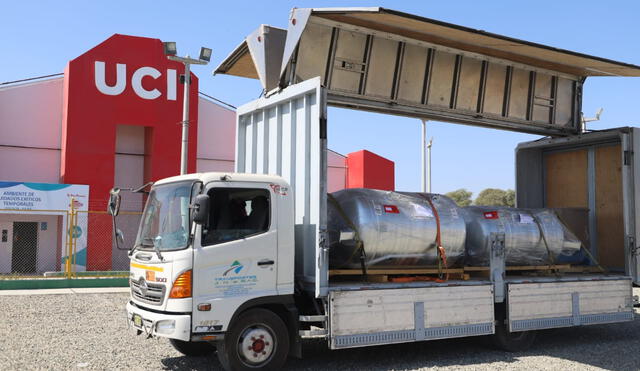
(156, 245)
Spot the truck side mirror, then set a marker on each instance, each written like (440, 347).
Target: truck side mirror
(114, 201)
(200, 209)
(120, 239)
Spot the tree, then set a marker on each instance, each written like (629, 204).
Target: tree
(461, 196)
(496, 197)
(510, 198)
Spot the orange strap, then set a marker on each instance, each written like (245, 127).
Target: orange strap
(441, 252)
(416, 279)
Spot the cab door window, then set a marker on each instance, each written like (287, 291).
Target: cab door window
(236, 213)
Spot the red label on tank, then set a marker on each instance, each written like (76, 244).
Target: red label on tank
(392, 209)
(491, 215)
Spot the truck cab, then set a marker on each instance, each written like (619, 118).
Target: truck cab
(210, 246)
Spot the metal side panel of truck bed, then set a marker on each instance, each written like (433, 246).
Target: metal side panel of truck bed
(370, 317)
(542, 305)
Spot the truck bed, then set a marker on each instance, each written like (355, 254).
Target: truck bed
(369, 313)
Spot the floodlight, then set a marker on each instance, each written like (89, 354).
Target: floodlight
(205, 54)
(170, 48)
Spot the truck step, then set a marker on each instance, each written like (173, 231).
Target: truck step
(315, 333)
(318, 318)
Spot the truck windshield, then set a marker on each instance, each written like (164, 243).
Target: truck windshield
(165, 221)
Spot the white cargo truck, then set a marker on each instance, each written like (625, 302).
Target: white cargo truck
(243, 263)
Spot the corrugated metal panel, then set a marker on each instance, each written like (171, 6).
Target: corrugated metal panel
(560, 304)
(285, 134)
(379, 70)
(467, 39)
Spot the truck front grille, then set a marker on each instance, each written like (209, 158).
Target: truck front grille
(147, 292)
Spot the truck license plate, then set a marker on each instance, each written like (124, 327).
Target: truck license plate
(137, 320)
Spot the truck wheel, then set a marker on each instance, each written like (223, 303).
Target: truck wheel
(257, 340)
(513, 341)
(193, 348)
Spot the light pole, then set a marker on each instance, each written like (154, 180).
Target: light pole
(170, 50)
(429, 164)
(423, 154)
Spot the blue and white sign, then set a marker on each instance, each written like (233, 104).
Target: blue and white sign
(51, 199)
(42, 196)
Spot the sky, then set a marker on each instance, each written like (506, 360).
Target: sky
(39, 37)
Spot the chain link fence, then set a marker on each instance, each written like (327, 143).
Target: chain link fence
(103, 254)
(30, 242)
(65, 243)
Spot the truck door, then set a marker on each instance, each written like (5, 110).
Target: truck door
(285, 134)
(235, 253)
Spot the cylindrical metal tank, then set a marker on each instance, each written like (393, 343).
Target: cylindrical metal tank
(396, 229)
(524, 244)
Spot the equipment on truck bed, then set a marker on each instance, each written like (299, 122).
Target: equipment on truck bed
(400, 229)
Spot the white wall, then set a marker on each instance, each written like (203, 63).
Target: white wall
(336, 171)
(30, 131)
(204, 165)
(29, 164)
(216, 137)
(31, 114)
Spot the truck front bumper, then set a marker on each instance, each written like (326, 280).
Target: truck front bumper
(174, 326)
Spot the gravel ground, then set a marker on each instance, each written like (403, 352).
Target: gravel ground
(88, 331)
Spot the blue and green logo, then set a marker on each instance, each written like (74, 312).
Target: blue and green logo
(75, 231)
(236, 267)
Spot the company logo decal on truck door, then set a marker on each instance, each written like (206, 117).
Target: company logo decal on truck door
(231, 282)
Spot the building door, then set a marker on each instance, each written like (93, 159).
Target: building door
(6, 233)
(25, 247)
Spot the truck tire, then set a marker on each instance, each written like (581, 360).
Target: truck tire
(513, 341)
(193, 348)
(257, 340)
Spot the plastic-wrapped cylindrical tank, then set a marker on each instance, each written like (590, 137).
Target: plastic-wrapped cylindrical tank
(524, 244)
(396, 229)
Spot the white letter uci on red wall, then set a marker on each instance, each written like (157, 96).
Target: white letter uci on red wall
(101, 84)
(136, 82)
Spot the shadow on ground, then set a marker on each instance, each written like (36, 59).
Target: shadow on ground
(612, 347)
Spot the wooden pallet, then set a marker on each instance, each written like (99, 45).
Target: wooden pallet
(463, 270)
